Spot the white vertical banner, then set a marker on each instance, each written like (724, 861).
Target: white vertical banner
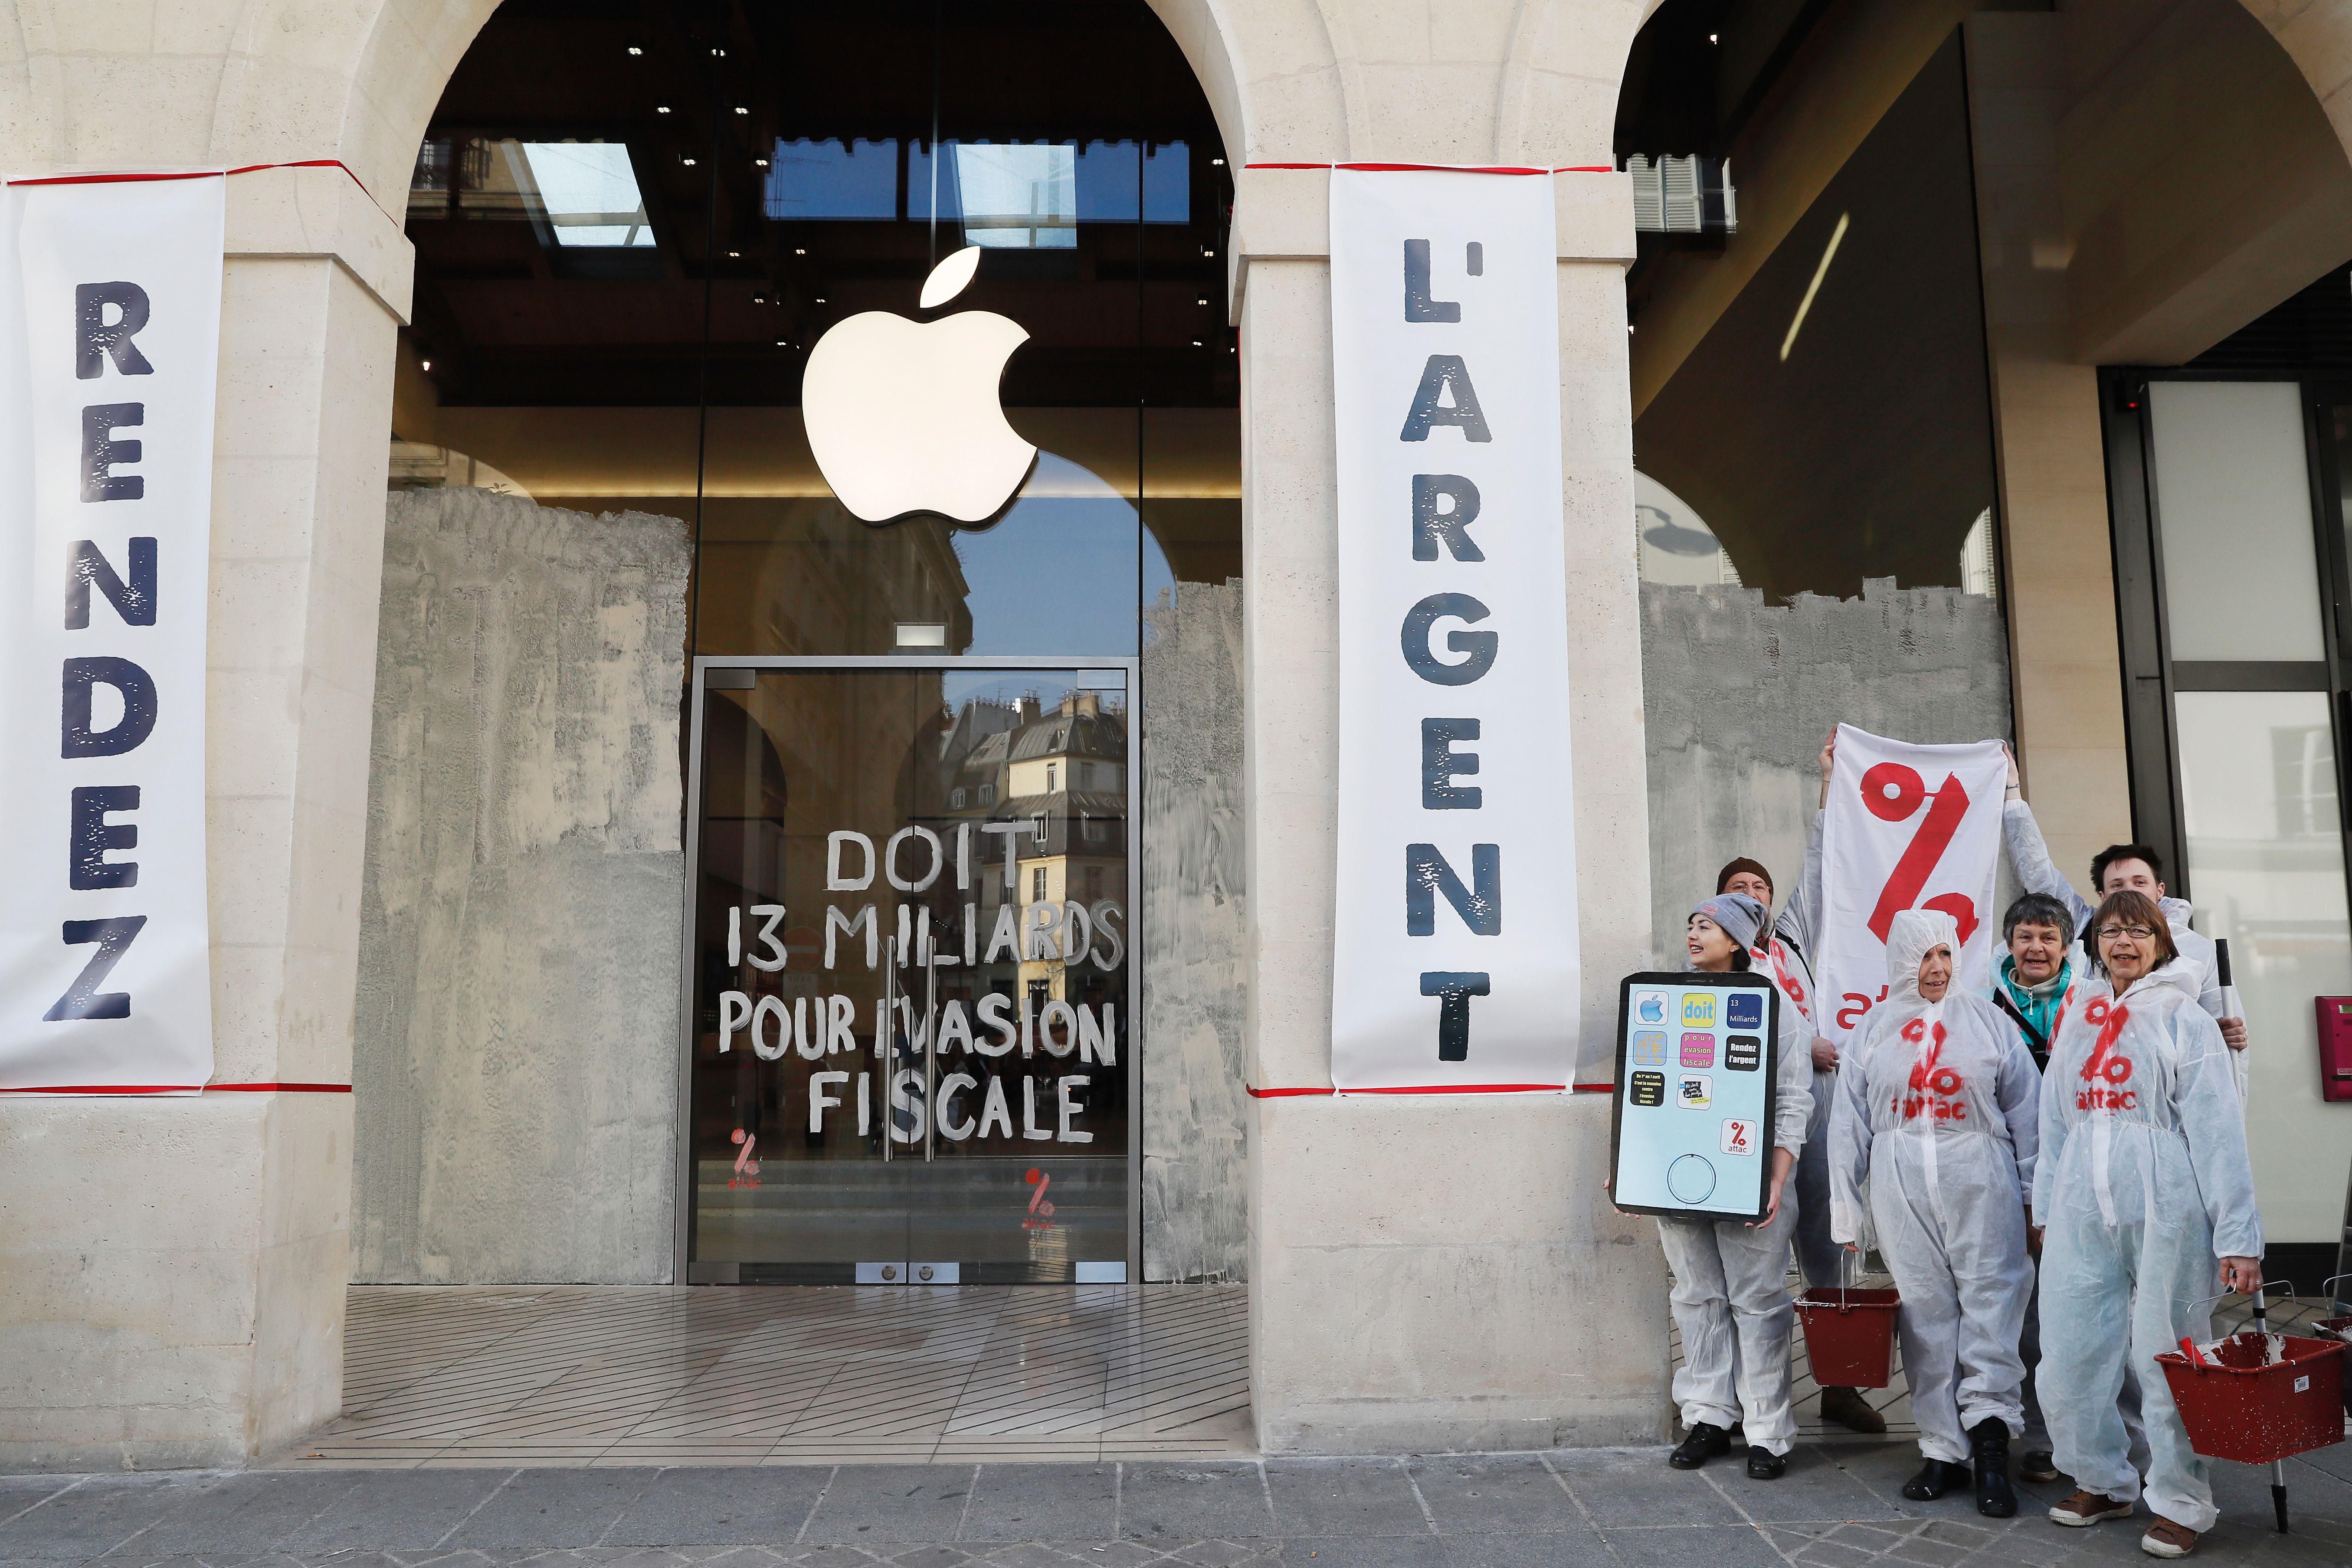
(1906, 828)
(1455, 962)
(109, 345)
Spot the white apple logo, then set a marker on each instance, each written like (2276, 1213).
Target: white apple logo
(903, 415)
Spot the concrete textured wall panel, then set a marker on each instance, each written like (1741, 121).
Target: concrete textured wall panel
(1195, 949)
(1741, 694)
(515, 1064)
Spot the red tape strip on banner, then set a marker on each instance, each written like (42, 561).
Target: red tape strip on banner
(1445, 168)
(1257, 1093)
(202, 174)
(186, 1087)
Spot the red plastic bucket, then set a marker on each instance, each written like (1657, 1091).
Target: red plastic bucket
(1850, 1335)
(2338, 1329)
(2256, 1398)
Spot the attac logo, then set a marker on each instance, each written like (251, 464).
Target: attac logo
(2103, 1072)
(1934, 1087)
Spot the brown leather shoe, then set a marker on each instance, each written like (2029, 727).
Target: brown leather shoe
(1850, 1410)
(2166, 1539)
(2088, 1508)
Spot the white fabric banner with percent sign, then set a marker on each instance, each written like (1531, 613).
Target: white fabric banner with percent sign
(109, 349)
(1908, 827)
(1455, 961)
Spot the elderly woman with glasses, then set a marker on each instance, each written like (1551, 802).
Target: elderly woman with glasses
(2149, 1203)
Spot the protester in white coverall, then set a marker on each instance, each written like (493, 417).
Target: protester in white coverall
(2119, 868)
(1731, 1277)
(2149, 1203)
(1936, 1111)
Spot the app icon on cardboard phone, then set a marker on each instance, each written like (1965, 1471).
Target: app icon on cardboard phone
(1698, 1050)
(1649, 1088)
(1743, 1053)
(1694, 1091)
(1699, 1009)
(1649, 1006)
(1650, 1049)
(1744, 1010)
(1738, 1136)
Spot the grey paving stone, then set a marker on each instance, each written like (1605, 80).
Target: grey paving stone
(1699, 1546)
(101, 1513)
(1421, 1550)
(713, 1504)
(395, 1511)
(1830, 1554)
(1636, 1486)
(1222, 1500)
(1343, 1498)
(250, 1512)
(1226, 1553)
(552, 1508)
(868, 1505)
(1044, 1503)
(1932, 1554)
(18, 1493)
(1553, 1549)
(1513, 1493)
(1817, 1485)
(2026, 1543)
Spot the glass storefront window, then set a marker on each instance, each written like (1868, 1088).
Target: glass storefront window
(913, 1046)
(631, 237)
(2233, 513)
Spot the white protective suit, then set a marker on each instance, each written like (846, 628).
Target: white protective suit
(1936, 1111)
(2143, 1185)
(1731, 1283)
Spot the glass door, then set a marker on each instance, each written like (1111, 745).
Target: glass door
(910, 1040)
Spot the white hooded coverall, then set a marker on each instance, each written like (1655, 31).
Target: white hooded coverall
(1936, 1111)
(1732, 1282)
(2143, 1185)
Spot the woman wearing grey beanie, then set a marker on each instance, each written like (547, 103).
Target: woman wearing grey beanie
(1731, 1277)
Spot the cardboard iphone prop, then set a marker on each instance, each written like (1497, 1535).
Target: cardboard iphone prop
(1692, 1128)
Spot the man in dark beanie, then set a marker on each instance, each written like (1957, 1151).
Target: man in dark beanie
(1788, 954)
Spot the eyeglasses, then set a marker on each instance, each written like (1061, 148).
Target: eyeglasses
(2136, 933)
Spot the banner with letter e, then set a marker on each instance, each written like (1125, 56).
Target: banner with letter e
(110, 346)
(1908, 827)
(1455, 963)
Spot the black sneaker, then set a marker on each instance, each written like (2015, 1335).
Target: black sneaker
(1704, 1442)
(2037, 1466)
(1936, 1478)
(1763, 1465)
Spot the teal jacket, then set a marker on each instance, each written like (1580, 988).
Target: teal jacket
(2034, 1008)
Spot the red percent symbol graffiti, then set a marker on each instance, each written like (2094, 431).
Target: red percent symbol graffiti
(1893, 792)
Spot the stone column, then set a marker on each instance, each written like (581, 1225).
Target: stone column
(172, 1269)
(1431, 1272)
(2057, 565)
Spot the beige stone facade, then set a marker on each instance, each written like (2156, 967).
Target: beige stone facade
(173, 1271)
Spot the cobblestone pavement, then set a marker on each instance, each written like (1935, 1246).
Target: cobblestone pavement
(1838, 1506)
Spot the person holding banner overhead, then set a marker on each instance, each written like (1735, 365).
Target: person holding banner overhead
(1731, 1279)
(2149, 1203)
(2119, 868)
(1937, 1114)
(1788, 951)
